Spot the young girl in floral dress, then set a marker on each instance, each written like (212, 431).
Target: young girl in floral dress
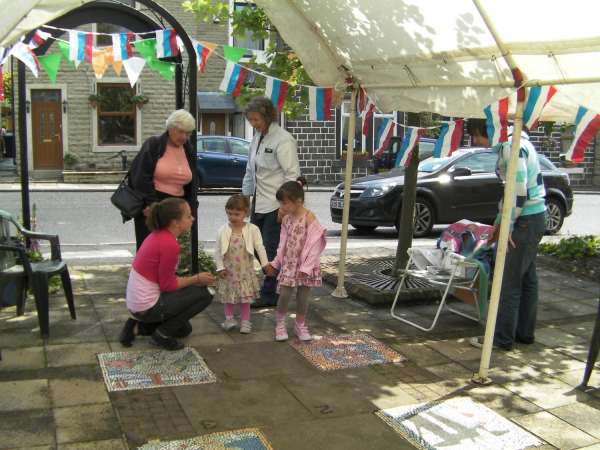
(236, 243)
(302, 240)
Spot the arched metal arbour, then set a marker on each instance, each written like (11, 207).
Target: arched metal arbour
(121, 15)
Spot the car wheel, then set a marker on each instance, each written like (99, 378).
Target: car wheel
(556, 216)
(424, 218)
(364, 228)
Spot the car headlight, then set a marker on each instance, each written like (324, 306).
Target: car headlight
(338, 190)
(377, 191)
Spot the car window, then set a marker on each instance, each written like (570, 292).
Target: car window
(546, 165)
(479, 162)
(214, 145)
(239, 147)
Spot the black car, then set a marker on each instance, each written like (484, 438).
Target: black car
(462, 186)
(221, 161)
(389, 157)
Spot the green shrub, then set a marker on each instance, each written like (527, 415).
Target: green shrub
(573, 247)
(206, 263)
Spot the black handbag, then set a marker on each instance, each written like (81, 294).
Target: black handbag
(129, 202)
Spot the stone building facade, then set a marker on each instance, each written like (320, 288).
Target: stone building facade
(320, 144)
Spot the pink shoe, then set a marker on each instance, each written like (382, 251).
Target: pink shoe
(302, 332)
(281, 332)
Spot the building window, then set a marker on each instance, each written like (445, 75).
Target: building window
(248, 42)
(105, 41)
(116, 115)
(362, 142)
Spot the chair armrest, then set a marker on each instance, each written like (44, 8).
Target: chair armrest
(23, 254)
(52, 238)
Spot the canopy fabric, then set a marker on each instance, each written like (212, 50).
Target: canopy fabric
(441, 56)
(20, 17)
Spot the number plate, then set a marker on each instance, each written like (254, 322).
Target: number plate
(383, 170)
(337, 204)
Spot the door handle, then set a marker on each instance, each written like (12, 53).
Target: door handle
(58, 136)
(236, 159)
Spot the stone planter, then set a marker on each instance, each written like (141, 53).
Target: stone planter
(357, 157)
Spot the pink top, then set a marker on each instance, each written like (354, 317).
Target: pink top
(172, 172)
(153, 271)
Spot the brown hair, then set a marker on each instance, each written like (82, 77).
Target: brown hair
(292, 190)
(477, 125)
(238, 202)
(163, 213)
(264, 106)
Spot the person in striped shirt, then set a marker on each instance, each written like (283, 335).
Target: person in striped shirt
(517, 309)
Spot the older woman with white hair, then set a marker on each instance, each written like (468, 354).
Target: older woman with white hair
(165, 167)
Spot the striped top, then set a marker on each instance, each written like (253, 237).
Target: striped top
(529, 189)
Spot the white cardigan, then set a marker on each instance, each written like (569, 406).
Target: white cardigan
(252, 238)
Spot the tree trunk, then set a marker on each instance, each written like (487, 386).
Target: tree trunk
(409, 196)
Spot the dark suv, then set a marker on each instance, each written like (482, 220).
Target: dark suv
(388, 158)
(462, 186)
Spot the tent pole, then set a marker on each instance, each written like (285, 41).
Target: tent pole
(340, 291)
(509, 194)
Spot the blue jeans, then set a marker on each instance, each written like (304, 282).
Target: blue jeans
(517, 310)
(270, 231)
(174, 309)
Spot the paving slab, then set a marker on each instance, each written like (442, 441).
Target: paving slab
(455, 349)
(554, 337)
(74, 355)
(502, 401)
(546, 392)
(585, 416)
(555, 431)
(78, 391)
(22, 429)
(110, 444)
(575, 308)
(548, 360)
(504, 368)
(422, 354)
(29, 358)
(583, 329)
(24, 395)
(86, 423)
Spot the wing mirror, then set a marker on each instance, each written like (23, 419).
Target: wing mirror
(461, 172)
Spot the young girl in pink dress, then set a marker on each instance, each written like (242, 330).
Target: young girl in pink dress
(302, 240)
(236, 243)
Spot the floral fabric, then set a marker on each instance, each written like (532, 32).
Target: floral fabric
(241, 284)
(290, 274)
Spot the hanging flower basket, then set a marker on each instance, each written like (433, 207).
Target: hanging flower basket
(139, 100)
(95, 99)
(356, 156)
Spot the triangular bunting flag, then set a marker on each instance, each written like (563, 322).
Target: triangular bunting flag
(24, 53)
(383, 136)
(122, 46)
(166, 43)
(496, 121)
(3, 56)
(320, 103)
(166, 69)
(133, 68)
(117, 65)
(1, 84)
(147, 49)
(233, 53)
(64, 49)
(361, 101)
(449, 139)
(50, 64)
(539, 96)
(276, 91)
(81, 46)
(101, 59)
(586, 125)
(413, 135)
(38, 38)
(233, 79)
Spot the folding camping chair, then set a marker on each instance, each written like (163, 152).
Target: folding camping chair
(460, 277)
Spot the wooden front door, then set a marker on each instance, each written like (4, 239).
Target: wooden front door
(46, 125)
(213, 124)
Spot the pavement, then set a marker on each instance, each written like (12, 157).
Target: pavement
(52, 393)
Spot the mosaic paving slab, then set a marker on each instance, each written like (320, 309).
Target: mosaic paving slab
(340, 351)
(248, 439)
(153, 369)
(456, 423)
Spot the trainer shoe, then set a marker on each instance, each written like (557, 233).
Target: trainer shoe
(246, 327)
(229, 323)
(478, 342)
(281, 332)
(302, 332)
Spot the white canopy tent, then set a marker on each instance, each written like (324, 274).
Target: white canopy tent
(451, 58)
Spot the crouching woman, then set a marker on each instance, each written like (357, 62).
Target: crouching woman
(161, 302)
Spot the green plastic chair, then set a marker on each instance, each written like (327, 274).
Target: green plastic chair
(24, 272)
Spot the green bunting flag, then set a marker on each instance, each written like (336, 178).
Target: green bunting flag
(50, 64)
(167, 70)
(147, 49)
(64, 48)
(233, 53)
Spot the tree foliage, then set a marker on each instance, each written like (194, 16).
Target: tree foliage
(282, 64)
(7, 81)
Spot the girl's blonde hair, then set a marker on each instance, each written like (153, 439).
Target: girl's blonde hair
(238, 202)
(163, 213)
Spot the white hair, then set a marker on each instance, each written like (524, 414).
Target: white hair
(181, 119)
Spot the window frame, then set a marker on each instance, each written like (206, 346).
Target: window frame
(249, 54)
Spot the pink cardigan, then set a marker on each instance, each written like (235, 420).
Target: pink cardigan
(316, 239)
